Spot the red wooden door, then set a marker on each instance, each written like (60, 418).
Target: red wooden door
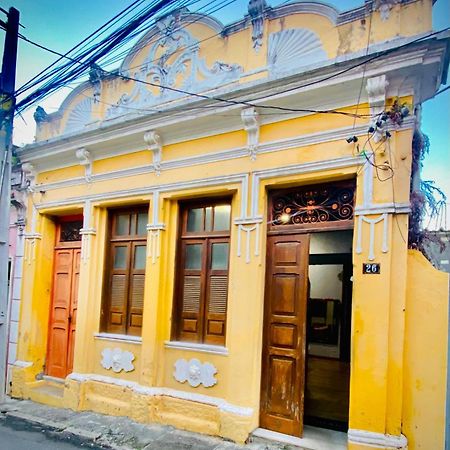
(63, 313)
(283, 360)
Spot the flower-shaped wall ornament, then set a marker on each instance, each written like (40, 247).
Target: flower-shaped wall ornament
(117, 360)
(195, 373)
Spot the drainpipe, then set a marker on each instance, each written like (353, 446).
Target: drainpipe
(447, 405)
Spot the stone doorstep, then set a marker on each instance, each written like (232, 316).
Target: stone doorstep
(121, 433)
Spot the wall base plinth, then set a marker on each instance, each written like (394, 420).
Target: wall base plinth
(364, 440)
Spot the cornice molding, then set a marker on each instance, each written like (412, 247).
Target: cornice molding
(233, 153)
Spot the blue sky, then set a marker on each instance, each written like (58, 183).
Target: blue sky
(61, 24)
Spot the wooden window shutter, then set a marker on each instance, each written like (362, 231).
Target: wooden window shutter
(123, 301)
(118, 288)
(217, 292)
(137, 282)
(200, 306)
(192, 287)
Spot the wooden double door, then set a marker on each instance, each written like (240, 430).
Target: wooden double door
(63, 314)
(284, 346)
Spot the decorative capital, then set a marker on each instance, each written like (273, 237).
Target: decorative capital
(29, 173)
(249, 117)
(85, 159)
(154, 144)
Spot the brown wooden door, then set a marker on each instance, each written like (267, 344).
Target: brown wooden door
(283, 359)
(63, 313)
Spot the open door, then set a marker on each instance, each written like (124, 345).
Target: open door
(283, 363)
(62, 324)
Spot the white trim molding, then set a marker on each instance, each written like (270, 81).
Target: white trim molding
(194, 347)
(22, 364)
(247, 226)
(220, 403)
(372, 222)
(377, 439)
(118, 338)
(232, 153)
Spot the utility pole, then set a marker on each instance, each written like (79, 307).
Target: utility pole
(7, 102)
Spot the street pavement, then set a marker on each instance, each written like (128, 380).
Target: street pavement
(16, 434)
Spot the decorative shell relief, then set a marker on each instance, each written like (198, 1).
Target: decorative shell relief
(80, 116)
(293, 48)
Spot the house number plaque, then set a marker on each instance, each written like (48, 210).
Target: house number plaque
(371, 268)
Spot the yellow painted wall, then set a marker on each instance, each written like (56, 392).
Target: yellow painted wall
(425, 357)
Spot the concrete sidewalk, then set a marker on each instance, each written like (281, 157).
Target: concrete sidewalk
(119, 433)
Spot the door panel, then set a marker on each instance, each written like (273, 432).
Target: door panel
(63, 314)
(73, 308)
(283, 362)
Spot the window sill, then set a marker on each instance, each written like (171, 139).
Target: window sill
(118, 338)
(194, 347)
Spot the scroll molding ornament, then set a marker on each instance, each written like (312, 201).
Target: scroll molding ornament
(85, 159)
(117, 360)
(251, 125)
(154, 144)
(180, 57)
(195, 372)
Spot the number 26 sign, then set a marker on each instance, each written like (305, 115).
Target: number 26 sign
(371, 268)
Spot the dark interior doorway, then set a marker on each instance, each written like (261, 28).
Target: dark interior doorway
(328, 330)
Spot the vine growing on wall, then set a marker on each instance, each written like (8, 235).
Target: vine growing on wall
(427, 199)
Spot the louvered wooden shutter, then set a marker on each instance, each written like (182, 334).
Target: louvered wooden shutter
(191, 302)
(216, 297)
(137, 281)
(118, 288)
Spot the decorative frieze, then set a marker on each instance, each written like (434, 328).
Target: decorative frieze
(195, 372)
(117, 360)
(173, 66)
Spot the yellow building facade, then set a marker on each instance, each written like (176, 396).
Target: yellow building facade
(217, 233)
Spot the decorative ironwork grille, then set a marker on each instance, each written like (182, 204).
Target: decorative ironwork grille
(70, 231)
(314, 204)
